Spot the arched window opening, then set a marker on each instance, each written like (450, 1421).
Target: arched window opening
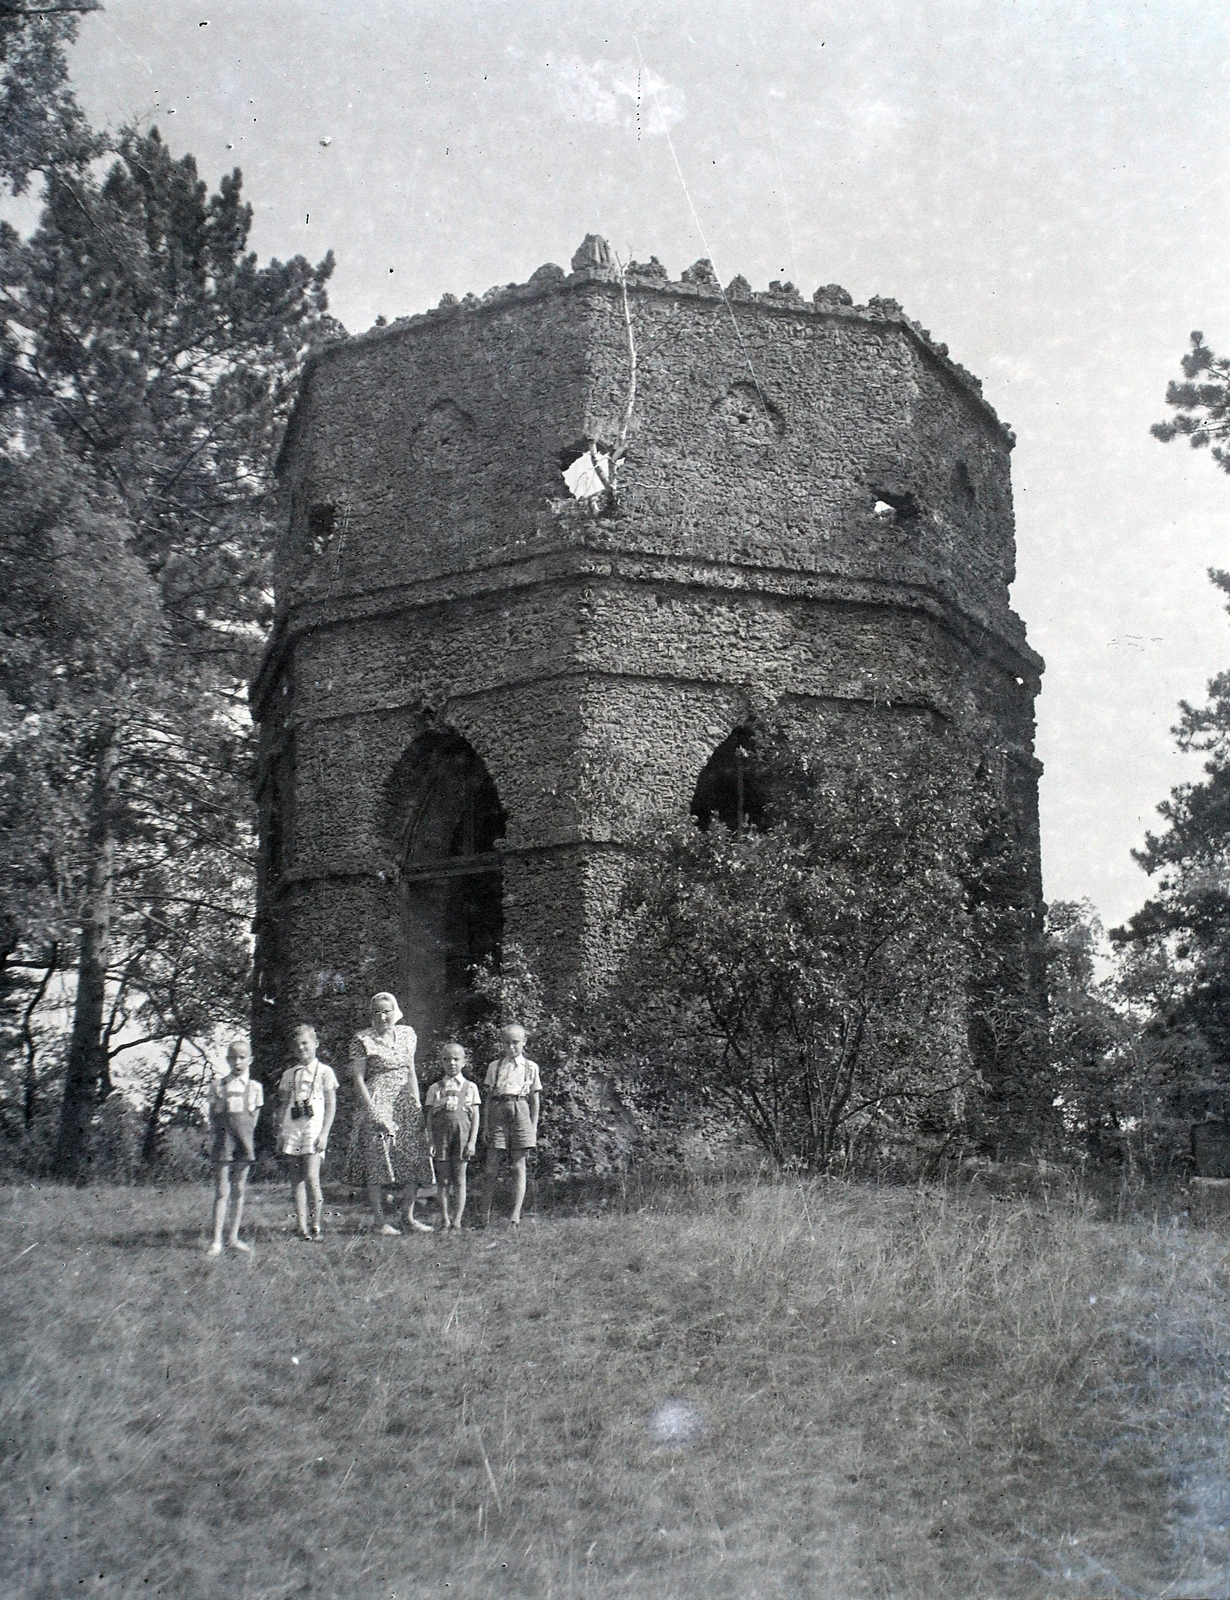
(450, 820)
(733, 785)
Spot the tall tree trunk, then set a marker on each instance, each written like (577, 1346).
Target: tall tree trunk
(88, 1076)
(27, 1035)
(149, 1147)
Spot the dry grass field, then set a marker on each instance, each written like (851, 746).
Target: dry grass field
(789, 1390)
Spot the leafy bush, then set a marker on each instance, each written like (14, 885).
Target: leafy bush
(811, 978)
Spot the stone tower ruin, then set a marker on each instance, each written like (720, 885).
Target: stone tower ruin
(549, 555)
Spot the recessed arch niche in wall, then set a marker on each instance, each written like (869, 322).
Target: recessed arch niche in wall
(733, 786)
(448, 819)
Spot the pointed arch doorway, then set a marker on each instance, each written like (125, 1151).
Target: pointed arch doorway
(733, 785)
(451, 878)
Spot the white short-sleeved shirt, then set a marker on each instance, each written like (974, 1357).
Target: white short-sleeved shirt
(453, 1095)
(311, 1083)
(513, 1075)
(236, 1095)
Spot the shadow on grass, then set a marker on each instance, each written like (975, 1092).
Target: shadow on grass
(194, 1239)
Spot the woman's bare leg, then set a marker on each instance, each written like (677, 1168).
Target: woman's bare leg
(376, 1202)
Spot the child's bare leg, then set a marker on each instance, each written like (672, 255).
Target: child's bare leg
(460, 1203)
(298, 1189)
(241, 1184)
(518, 1187)
(311, 1165)
(222, 1191)
(492, 1177)
(444, 1187)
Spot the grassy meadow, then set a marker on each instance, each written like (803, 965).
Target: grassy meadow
(781, 1390)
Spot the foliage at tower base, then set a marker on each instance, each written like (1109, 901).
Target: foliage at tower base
(146, 368)
(811, 979)
(1125, 1068)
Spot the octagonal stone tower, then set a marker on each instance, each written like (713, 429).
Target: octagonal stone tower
(498, 655)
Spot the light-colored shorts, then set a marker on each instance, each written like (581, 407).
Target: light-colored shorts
(509, 1126)
(299, 1136)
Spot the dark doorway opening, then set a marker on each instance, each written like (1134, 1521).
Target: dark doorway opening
(733, 785)
(451, 879)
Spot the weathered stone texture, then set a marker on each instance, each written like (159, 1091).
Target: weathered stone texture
(812, 517)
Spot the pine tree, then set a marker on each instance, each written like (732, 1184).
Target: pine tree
(147, 368)
(1187, 918)
(1202, 401)
(41, 125)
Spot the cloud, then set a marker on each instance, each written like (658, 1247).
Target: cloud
(615, 94)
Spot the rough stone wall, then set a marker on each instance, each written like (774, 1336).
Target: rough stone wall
(812, 511)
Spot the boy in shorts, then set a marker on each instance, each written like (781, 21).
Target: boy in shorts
(235, 1103)
(308, 1095)
(452, 1124)
(510, 1119)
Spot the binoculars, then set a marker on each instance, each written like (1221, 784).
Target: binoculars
(301, 1108)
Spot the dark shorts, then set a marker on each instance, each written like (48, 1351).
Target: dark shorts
(233, 1138)
(448, 1151)
(509, 1126)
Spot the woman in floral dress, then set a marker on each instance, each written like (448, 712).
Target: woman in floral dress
(390, 1122)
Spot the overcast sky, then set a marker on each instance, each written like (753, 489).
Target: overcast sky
(1044, 186)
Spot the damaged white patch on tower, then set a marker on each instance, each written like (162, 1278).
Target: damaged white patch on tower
(584, 479)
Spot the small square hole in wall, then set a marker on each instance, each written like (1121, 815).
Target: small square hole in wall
(322, 520)
(891, 506)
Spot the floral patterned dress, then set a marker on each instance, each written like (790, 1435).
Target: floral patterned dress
(388, 1070)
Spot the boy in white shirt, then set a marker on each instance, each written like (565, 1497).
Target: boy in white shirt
(235, 1103)
(452, 1122)
(510, 1121)
(308, 1092)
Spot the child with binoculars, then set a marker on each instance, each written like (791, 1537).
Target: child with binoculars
(308, 1093)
